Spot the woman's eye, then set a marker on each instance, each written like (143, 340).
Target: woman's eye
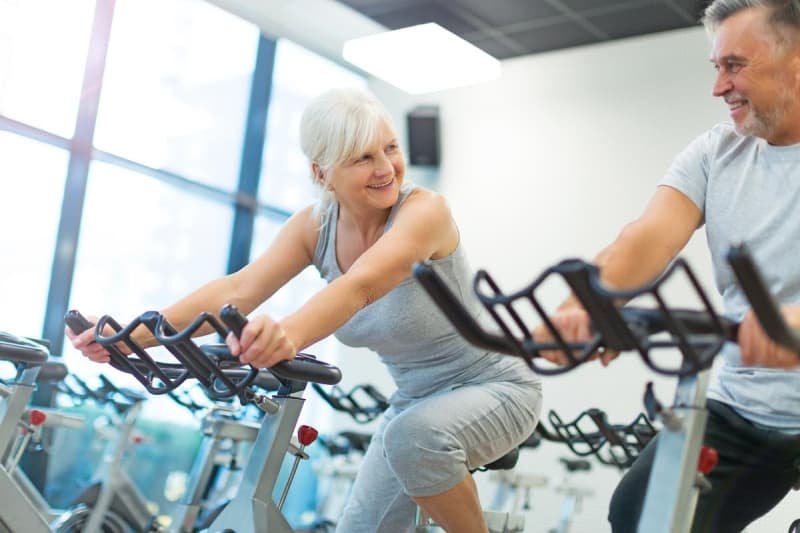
(391, 148)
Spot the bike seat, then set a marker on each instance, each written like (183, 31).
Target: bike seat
(532, 442)
(52, 371)
(576, 465)
(21, 351)
(506, 462)
(357, 440)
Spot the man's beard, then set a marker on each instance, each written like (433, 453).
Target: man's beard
(765, 124)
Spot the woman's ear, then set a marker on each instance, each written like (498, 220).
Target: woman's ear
(319, 176)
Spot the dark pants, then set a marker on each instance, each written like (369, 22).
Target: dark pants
(756, 469)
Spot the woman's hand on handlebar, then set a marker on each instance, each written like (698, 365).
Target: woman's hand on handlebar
(86, 344)
(574, 325)
(263, 343)
(758, 349)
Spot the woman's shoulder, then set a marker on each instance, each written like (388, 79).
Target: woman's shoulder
(306, 218)
(422, 198)
(427, 212)
(307, 224)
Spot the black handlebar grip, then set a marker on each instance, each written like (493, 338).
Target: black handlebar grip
(76, 321)
(231, 317)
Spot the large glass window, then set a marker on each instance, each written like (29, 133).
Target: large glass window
(296, 292)
(43, 49)
(177, 87)
(33, 187)
(299, 76)
(143, 245)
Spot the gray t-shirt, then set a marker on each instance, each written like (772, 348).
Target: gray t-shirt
(749, 192)
(421, 349)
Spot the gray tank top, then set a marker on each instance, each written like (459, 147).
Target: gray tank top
(421, 349)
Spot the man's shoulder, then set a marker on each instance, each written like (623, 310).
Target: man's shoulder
(723, 129)
(723, 137)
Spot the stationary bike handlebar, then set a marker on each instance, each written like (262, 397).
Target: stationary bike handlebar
(590, 433)
(363, 403)
(698, 334)
(219, 372)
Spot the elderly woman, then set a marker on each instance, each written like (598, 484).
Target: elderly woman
(456, 407)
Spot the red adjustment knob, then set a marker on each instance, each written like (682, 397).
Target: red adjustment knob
(306, 435)
(708, 459)
(37, 417)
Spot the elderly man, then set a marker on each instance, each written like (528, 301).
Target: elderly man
(742, 181)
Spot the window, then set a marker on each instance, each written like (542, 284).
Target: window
(296, 292)
(299, 76)
(176, 88)
(43, 49)
(143, 245)
(33, 187)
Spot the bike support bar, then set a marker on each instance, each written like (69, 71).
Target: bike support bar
(671, 493)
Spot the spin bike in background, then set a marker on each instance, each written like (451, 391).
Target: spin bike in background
(591, 434)
(111, 501)
(698, 335)
(588, 435)
(34, 421)
(252, 509)
(20, 513)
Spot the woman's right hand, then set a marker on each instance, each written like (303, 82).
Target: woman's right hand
(263, 343)
(87, 344)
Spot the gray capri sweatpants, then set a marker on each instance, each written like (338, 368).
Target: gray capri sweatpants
(429, 446)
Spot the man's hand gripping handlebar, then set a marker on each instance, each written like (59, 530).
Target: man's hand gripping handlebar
(697, 334)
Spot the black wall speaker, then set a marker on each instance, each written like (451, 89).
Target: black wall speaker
(423, 136)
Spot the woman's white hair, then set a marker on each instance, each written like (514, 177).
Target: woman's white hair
(336, 126)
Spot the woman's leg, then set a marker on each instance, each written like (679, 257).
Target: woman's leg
(377, 502)
(432, 445)
(456, 509)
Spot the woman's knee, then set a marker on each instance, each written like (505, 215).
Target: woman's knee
(425, 459)
(411, 443)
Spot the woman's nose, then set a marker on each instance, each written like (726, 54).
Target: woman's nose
(383, 165)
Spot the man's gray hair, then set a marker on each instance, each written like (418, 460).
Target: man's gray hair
(784, 16)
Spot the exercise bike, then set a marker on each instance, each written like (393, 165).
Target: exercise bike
(21, 511)
(698, 335)
(253, 508)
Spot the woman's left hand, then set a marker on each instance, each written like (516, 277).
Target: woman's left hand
(263, 343)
